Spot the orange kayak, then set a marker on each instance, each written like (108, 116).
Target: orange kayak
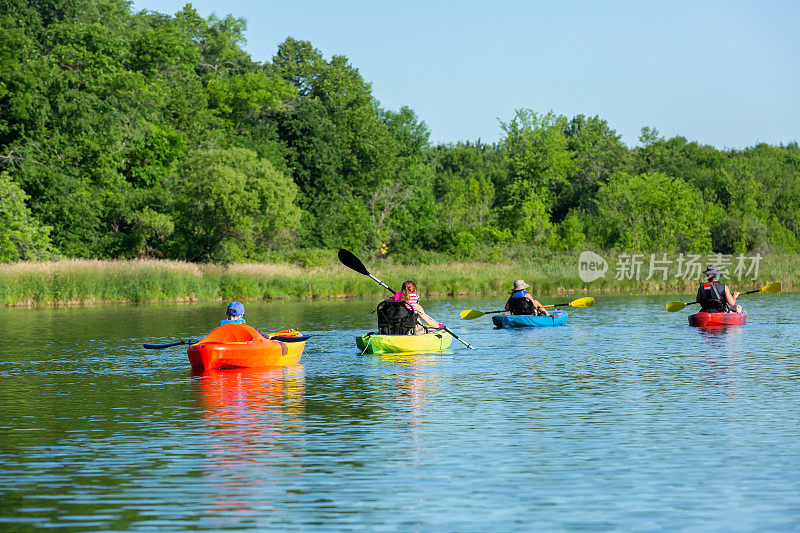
(240, 346)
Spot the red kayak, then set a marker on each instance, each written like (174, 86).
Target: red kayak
(710, 320)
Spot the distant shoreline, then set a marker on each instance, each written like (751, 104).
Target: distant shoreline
(90, 282)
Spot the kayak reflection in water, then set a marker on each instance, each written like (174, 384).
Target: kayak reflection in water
(715, 297)
(401, 314)
(235, 313)
(522, 303)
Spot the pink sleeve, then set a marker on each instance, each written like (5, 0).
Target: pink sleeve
(397, 296)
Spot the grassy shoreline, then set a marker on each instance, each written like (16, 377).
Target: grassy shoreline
(88, 282)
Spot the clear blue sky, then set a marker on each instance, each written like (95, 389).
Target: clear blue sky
(725, 73)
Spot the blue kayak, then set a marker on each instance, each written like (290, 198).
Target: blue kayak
(555, 318)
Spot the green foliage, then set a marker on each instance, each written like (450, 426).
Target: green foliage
(651, 211)
(231, 205)
(597, 152)
(540, 162)
(570, 233)
(245, 96)
(463, 188)
(21, 236)
(137, 135)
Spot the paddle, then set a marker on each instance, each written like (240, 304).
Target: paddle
(772, 288)
(160, 346)
(278, 338)
(352, 262)
(470, 314)
(586, 301)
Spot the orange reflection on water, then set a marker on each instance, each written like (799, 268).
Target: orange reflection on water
(249, 413)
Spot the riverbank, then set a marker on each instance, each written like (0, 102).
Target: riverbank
(84, 282)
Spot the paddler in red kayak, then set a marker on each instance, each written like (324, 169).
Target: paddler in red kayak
(522, 303)
(715, 297)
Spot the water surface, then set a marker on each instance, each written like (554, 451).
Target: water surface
(624, 419)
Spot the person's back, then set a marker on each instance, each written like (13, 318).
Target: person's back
(401, 313)
(519, 304)
(396, 318)
(711, 296)
(235, 314)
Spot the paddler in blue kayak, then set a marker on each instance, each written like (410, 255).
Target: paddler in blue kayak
(715, 297)
(522, 303)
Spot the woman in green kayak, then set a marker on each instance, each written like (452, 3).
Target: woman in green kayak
(411, 323)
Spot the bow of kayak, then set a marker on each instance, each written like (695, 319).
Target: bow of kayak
(382, 344)
(710, 320)
(241, 346)
(555, 318)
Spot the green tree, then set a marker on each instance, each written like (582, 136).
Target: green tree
(231, 206)
(651, 212)
(22, 237)
(597, 152)
(463, 188)
(540, 162)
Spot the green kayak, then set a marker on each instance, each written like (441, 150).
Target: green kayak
(429, 342)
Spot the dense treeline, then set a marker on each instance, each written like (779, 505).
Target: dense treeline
(128, 135)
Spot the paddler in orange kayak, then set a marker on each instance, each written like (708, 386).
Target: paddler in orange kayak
(715, 297)
(235, 313)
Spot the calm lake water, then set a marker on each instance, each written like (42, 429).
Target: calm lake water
(625, 419)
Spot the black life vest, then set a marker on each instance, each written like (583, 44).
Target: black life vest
(521, 306)
(712, 297)
(396, 318)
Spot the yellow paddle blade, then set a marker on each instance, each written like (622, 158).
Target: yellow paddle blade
(773, 288)
(469, 314)
(588, 301)
(675, 306)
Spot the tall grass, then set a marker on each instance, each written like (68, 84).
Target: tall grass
(92, 282)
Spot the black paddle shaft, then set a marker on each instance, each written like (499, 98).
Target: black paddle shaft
(162, 346)
(278, 338)
(302, 338)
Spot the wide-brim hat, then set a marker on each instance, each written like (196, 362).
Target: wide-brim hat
(711, 270)
(520, 285)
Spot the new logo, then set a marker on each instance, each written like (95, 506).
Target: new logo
(591, 266)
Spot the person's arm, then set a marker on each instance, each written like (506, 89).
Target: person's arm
(424, 316)
(731, 299)
(508, 307)
(536, 305)
(264, 334)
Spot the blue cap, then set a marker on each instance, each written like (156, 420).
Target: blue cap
(235, 308)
